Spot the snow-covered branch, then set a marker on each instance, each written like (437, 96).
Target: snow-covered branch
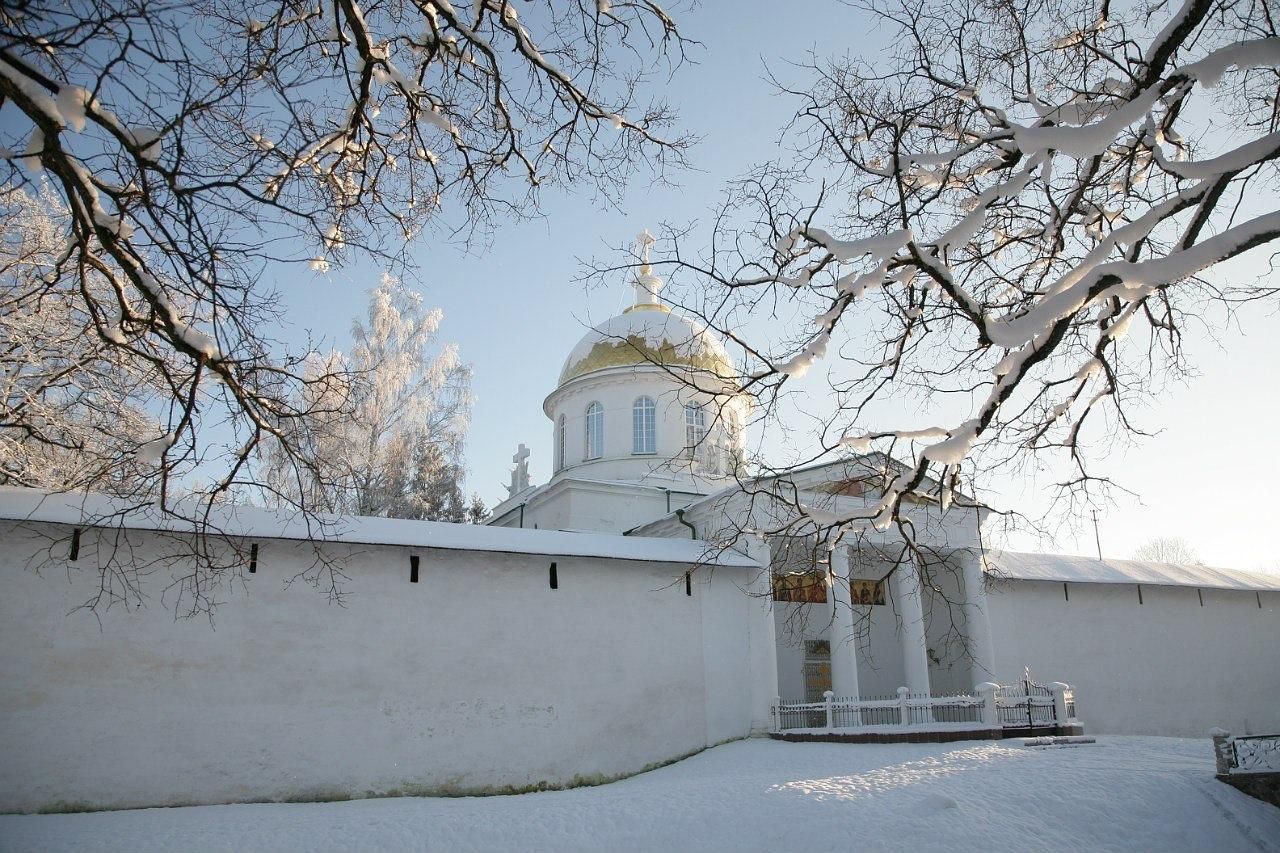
(189, 151)
(1021, 213)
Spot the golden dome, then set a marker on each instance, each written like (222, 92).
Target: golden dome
(648, 333)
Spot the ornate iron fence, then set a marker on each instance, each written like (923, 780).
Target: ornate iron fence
(1246, 753)
(1026, 704)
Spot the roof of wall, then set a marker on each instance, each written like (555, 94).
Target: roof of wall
(17, 504)
(1066, 568)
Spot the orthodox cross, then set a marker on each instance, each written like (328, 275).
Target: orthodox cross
(520, 473)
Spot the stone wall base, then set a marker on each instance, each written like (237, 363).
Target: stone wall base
(889, 737)
(943, 736)
(1261, 786)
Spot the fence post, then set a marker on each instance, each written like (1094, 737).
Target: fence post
(776, 713)
(1059, 702)
(904, 705)
(1222, 750)
(826, 697)
(990, 712)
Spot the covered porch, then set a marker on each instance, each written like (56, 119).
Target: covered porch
(871, 649)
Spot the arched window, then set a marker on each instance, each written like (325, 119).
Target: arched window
(695, 430)
(644, 426)
(560, 444)
(595, 431)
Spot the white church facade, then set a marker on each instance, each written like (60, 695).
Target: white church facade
(630, 611)
(648, 441)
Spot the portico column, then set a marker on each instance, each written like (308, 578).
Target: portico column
(915, 651)
(977, 619)
(844, 645)
(762, 638)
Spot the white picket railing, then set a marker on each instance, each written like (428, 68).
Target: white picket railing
(990, 707)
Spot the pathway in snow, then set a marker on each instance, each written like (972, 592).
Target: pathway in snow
(1122, 794)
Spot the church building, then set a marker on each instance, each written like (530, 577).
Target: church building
(648, 437)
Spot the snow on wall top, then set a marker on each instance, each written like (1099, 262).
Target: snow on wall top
(1062, 567)
(18, 504)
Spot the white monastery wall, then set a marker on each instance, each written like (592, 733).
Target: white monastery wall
(726, 676)
(478, 678)
(1167, 666)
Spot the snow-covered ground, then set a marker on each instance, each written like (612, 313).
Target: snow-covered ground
(1124, 793)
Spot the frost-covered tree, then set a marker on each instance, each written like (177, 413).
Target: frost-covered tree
(1168, 549)
(391, 442)
(1007, 219)
(197, 147)
(71, 406)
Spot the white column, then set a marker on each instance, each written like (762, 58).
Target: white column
(977, 617)
(844, 645)
(915, 651)
(762, 639)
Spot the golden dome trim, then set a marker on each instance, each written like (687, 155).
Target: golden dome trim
(647, 307)
(634, 351)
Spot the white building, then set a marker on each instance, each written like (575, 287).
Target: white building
(647, 440)
(639, 622)
(643, 421)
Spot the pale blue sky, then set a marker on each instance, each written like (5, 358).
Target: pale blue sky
(515, 309)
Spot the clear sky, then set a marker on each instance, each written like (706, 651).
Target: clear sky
(514, 306)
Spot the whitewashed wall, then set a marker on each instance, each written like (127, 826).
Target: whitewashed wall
(1167, 666)
(477, 678)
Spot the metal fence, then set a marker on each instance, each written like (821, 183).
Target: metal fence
(1028, 705)
(959, 708)
(1025, 705)
(904, 709)
(1247, 753)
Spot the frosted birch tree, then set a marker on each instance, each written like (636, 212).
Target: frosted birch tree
(1168, 549)
(394, 445)
(1009, 219)
(71, 405)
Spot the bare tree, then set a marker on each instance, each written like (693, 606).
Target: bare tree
(1009, 217)
(1168, 549)
(197, 146)
(395, 448)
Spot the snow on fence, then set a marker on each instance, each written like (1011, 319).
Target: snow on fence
(991, 706)
(1246, 753)
(1029, 705)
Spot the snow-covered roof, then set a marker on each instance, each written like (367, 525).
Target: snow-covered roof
(19, 504)
(1066, 568)
(534, 494)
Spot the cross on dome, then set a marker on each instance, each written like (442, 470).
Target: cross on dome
(647, 284)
